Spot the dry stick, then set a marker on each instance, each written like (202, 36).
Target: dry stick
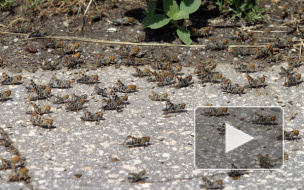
(111, 42)
(17, 19)
(13, 33)
(276, 31)
(127, 43)
(131, 43)
(301, 48)
(87, 8)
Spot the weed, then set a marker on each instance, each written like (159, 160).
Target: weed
(173, 13)
(246, 10)
(6, 4)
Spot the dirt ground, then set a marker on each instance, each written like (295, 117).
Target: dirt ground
(31, 46)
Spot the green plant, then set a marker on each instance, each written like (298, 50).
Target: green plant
(242, 9)
(220, 4)
(256, 14)
(6, 4)
(32, 3)
(173, 13)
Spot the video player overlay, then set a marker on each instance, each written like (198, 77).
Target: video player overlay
(239, 138)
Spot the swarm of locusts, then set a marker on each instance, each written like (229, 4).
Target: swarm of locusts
(165, 71)
(16, 164)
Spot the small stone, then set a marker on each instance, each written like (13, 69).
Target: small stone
(78, 175)
(31, 48)
(111, 30)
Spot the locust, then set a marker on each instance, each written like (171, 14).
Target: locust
(39, 109)
(19, 174)
(195, 32)
(174, 108)
(157, 97)
(161, 65)
(257, 118)
(131, 53)
(121, 87)
(40, 90)
(104, 61)
(184, 82)
(171, 59)
(216, 111)
(75, 105)
(210, 77)
(282, 43)
(217, 45)
(225, 84)
(36, 119)
(88, 116)
(262, 53)
(239, 51)
(295, 63)
(136, 177)
(66, 48)
(72, 62)
(135, 142)
(61, 100)
(114, 96)
(86, 79)
(139, 73)
(50, 65)
(264, 161)
(5, 95)
(244, 67)
(11, 163)
(236, 174)
(56, 83)
(175, 70)
(291, 80)
(232, 89)
(218, 184)
(289, 135)
(124, 21)
(165, 80)
(256, 83)
(205, 67)
(286, 72)
(100, 91)
(112, 104)
(241, 36)
(8, 80)
(274, 58)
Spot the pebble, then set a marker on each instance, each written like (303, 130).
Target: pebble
(31, 48)
(112, 30)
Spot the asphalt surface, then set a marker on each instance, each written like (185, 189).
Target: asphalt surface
(95, 151)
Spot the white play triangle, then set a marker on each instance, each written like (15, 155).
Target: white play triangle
(235, 138)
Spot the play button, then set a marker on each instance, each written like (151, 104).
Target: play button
(235, 138)
(238, 137)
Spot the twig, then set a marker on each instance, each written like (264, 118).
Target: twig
(87, 8)
(112, 42)
(131, 43)
(276, 31)
(302, 44)
(17, 19)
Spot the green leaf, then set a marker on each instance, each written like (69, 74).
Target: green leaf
(181, 15)
(184, 35)
(156, 21)
(190, 6)
(171, 8)
(151, 7)
(144, 21)
(146, 13)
